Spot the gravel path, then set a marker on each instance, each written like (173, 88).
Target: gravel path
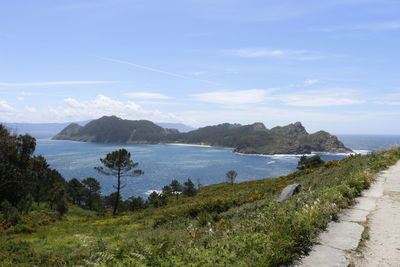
(383, 246)
(379, 208)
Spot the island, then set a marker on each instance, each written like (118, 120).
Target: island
(249, 139)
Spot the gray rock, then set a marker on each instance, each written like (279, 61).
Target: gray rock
(354, 215)
(289, 191)
(324, 256)
(343, 235)
(365, 203)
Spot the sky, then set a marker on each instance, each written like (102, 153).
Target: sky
(333, 65)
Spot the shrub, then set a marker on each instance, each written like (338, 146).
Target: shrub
(309, 163)
(21, 228)
(10, 213)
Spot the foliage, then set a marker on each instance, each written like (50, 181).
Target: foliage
(111, 129)
(25, 178)
(231, 176)
(118, 163)
(92, 190)
(189, 189)
(157, 200)
(136, 203)
(76, 191)
(309, 163)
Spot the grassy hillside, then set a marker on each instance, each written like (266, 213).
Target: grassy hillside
(223, 225)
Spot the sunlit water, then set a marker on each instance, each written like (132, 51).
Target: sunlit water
(162, 163)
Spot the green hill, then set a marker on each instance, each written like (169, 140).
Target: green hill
(115, 130)
(254, 138)
(223, 225)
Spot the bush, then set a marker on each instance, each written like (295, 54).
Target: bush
(10, 213)
(21, 228)
(309, 163)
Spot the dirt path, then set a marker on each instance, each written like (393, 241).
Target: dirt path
(383, 246)
(379, 209)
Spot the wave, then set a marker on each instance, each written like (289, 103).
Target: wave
(148, 192)
(360, 151)
(313, 153)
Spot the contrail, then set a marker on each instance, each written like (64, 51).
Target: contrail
(158, 70)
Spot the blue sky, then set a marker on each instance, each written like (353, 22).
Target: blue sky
(333, 65)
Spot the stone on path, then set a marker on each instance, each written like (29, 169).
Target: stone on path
(342, 235)
(323, 256)
(365, 203)
(353, 215)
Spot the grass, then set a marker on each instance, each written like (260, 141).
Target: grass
(239, 225)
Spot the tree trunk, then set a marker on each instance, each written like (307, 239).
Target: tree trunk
(118, 189)
(90, 200)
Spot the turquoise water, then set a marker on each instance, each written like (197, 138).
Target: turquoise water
(162, 163)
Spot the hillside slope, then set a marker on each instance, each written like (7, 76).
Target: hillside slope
(223, 225)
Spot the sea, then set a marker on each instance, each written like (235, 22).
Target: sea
(203, 165)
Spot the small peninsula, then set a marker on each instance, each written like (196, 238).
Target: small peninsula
(249, 139)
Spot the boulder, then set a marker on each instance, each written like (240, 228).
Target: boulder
(289, 191)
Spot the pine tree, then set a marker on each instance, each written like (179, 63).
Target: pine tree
(189, 188)
(93, 190)
(119, 164)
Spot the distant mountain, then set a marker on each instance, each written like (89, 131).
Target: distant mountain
(257, 139)
(183, 128)
(111, 129)
(48, 130)
(254, 138)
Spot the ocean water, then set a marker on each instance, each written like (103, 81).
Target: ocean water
(162, 163)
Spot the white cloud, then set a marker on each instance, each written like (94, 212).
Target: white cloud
(388, 99)
(375, 26)
(33, 84)
(4, 107)
(321, 98)
(256, 52)
(30, 109)
(146, 95)
(75, 110)
(310, 82)
(73, 103)
(277, 53)
(251, 96)
(307, 98)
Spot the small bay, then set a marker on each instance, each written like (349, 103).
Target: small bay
(162, 163)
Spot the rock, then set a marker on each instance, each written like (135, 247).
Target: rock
(324, 256)
(342, 235)
(289, 191)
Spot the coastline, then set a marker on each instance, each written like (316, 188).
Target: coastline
(313, 153)
(183, 144)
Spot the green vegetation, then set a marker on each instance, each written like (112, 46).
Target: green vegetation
(309, 163)
(231, 176)
(213, 226)
(254, 138)
(111, 129)
(25, 179)
(119, 164)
